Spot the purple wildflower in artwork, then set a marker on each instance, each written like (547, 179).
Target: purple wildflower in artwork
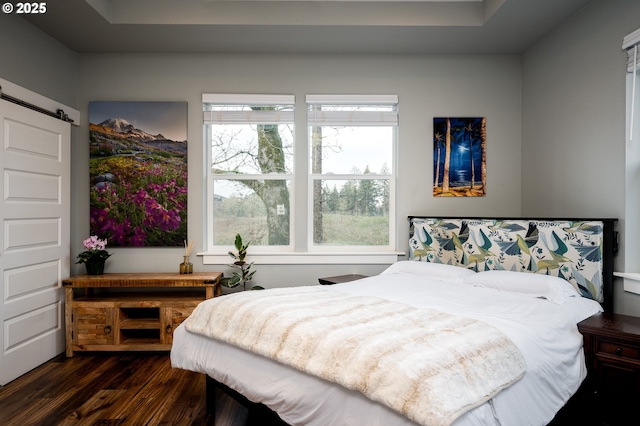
(138, 172)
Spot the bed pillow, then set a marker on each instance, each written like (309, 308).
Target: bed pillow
(438, 271)
(552, 288)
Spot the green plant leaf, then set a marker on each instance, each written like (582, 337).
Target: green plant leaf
(245, 275)
(231, 282)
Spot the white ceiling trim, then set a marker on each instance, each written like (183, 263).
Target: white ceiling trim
(373, 27)
(414, 13)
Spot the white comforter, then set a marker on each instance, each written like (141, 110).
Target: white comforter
(426, 364)
(545, 332)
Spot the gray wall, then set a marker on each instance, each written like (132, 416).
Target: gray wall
(573, 114)
(555, 120)
(35, 61)
(427, 86)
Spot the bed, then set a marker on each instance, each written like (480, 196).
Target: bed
(476, 327)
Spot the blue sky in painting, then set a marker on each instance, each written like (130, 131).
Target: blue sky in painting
(167, 118)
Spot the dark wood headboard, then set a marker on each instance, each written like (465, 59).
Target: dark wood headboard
(537, 245)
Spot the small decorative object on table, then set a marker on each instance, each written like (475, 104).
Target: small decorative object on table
(186, 267)
(94, 256)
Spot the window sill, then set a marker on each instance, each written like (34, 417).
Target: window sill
(333, 258)
(631, 281)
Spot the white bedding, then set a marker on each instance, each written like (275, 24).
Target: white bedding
(545, 332)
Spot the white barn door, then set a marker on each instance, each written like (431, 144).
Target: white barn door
(35, 237)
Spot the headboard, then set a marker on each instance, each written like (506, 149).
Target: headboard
(579, 250)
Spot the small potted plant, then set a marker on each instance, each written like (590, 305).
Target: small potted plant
(95, 255)
(246, 274)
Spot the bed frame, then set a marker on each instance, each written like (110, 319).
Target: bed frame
(449, 238)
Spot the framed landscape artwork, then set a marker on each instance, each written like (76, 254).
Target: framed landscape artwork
(459, 157)
(138, 172)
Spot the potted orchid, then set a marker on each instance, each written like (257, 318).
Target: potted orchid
(95, 255)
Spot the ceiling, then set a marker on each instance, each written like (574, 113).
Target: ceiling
(302, 26)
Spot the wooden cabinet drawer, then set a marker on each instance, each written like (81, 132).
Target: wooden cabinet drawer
(178, 315)
(93, 326)
(617, 349)
(174, 317)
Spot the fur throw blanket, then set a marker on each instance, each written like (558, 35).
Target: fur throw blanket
(428, 365)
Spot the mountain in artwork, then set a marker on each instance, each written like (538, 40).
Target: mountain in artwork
(120, 136)
(122, 126)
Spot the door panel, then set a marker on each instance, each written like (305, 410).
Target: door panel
(34, 236)
(31, 186)
(20, 282)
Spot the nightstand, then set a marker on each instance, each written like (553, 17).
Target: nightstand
(340, 279)
(612, 351)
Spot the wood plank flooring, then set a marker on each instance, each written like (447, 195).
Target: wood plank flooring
(111, 389)
(141, 389)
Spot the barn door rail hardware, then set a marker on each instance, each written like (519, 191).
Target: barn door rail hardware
(59, 114)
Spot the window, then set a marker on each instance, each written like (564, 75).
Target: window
(631, 43)
(348, 199)
(352, 143)
(249, 139)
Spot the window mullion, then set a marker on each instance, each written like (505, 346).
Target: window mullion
(334, 176)
(247, 176)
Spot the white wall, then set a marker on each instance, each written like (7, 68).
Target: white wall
(573, 133)
(427, 86)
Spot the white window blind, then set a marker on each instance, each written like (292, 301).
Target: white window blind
(352, 99)
(217, 111)
(382, 111)
(630, 43)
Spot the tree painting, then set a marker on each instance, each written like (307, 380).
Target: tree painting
(459, 157)
(138, 173)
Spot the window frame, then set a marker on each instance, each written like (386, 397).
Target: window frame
(241, 118)
(300, 250)
(353, 119)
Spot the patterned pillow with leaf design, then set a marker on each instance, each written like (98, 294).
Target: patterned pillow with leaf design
(566, 249)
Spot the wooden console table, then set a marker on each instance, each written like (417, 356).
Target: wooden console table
(126, 318)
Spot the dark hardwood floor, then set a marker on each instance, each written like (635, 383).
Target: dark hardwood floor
(136, 389)
(113, 389)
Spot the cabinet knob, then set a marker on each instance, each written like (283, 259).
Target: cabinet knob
(107, 330)
(618, 351)
(168, 330)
